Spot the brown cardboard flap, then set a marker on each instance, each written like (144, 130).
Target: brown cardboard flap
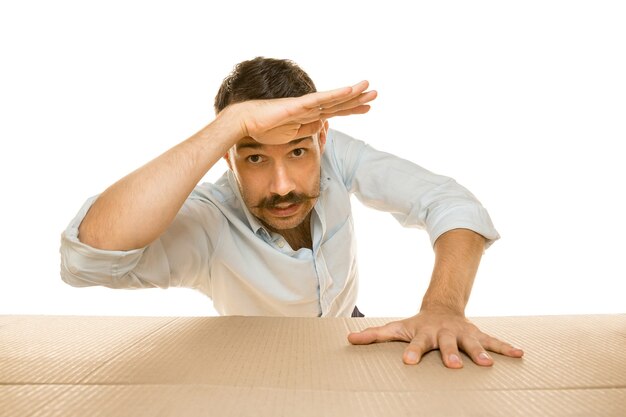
(574, 365)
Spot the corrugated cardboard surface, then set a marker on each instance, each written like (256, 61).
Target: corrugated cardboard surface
(240, 366)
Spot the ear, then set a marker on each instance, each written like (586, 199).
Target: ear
(322, 136)
(227, 159)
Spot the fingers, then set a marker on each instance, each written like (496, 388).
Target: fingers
(355, 103)
(280, 120)
(334, 97)
(418, 347)
(354, 110)
(475, 350)
(503, 348)
(385, 333)
(451, 336)
(348, 102)
(448, 347)
(328, 103)
(423, 343)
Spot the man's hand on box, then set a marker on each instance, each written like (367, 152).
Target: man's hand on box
(447, 331)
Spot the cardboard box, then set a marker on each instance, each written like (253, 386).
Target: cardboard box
(261, 366)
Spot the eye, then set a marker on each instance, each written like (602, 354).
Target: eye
(298, 152)
(254, 159)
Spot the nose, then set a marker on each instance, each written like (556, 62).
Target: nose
(282, 182)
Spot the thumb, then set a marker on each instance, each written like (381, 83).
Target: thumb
(386, 333)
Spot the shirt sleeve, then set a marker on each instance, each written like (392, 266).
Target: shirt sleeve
(180, 257)
(415, 196)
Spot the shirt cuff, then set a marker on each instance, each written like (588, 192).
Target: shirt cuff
(83, 265)
(475, 218)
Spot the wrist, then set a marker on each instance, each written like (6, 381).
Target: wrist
(441, 308)
(221, 134)
(232, 120)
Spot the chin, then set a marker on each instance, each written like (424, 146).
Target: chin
(284, 224)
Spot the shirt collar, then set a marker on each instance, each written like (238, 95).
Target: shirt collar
(254, 223)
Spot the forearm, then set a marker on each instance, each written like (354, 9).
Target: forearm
(441, 323)
(138, 208)
(457, 256)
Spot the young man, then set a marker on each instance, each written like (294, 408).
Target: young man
(274, 235)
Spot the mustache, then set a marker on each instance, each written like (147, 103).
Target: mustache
(291, 198)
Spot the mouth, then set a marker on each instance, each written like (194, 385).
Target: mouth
(284, 209)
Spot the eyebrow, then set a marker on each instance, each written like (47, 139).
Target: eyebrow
(256, 145)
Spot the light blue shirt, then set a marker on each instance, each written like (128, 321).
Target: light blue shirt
(216, 246)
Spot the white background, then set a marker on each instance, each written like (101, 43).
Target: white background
(524, 103)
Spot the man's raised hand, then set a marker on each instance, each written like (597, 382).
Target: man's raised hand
(277, 121)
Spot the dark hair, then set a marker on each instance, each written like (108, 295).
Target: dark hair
(263, 78)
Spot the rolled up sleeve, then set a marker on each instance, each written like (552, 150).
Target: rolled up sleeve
(415, 196)
(180, 257)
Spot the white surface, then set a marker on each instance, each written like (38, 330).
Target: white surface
(523, 103)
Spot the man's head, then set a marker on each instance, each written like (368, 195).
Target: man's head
(263, 78)
(279, 183)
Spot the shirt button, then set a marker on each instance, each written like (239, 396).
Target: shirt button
(281, 243)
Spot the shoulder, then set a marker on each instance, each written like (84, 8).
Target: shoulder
(219, 192)
(342, 154)
(220, 199)
(341, 147)
(338, 140)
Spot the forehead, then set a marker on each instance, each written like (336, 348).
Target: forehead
(249, 143)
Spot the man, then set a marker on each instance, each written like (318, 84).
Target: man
(274, 235)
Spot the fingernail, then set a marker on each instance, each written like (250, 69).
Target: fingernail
(484, 356)
(454, 359)
(411, 356)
